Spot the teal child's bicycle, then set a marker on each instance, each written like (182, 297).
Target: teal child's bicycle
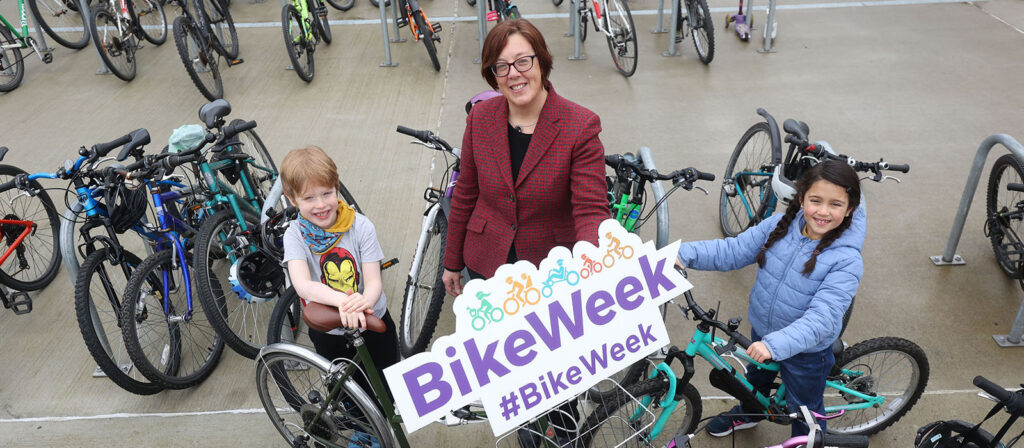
(12, 41)
(305, 24)
(873, 383)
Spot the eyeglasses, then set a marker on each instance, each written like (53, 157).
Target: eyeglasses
(523, 64)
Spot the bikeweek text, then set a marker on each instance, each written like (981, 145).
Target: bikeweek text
(528, 339)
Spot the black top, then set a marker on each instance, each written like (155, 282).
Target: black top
(518, 142)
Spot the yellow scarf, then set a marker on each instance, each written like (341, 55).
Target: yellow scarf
(320, 240)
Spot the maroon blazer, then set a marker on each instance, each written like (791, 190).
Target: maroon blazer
(558, 199)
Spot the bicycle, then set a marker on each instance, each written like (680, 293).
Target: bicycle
(616, 23)
(499, 10)
(422, 29)
(424, 292)
(815, 438)
(117, 28)
(304, 23)
(30, 230)
(758, 178)
(12, 64)
(1004, 206)
(203, 36)
(855, 386)
(958, 433)
(698, 24)
(62, 21)
(628, 184)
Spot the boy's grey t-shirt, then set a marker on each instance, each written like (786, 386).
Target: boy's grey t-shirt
(344, 261)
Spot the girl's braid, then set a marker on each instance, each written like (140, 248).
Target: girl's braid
(780, 229)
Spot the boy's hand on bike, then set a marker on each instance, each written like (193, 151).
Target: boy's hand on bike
(759, 351)
(452, 282)
(355, 303)
(353, 320)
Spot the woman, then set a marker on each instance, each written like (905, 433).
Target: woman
(532, 164)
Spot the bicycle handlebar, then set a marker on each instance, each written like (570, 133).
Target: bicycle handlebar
(1014, 402)
(840, 440)
(425, 137)
(686, 175)
(101, 149)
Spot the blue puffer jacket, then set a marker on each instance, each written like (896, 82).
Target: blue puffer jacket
(793, 313)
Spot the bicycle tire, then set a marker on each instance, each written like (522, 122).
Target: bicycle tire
(598, 430)
(342, 5)
(40, 248)
(735, 216)
(471, 2)
(293, 389)
(63, 15)
(198, 59)
(300, 50)
(1004, 232)
(151, 17)
(219, 19)
(322, 23)
(239, 318)
(117, 54)
(190, 350)
(427, 36)
(376, 4)
(554, 2)
(286, 324)
(10, 56)
(109, 312)
(425, 293)
(857, 357)
(702, 30)
(622, 42)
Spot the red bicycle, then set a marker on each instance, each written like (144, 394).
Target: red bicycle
(31, 254)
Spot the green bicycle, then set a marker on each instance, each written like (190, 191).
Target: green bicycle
(873, 383)
(304, 23)
(12, 63)
(626, 188)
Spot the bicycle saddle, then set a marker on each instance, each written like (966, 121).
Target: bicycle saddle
(211, 113)
(325, 318)
(796, 128)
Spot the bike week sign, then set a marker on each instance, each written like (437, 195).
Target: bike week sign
(529, 338)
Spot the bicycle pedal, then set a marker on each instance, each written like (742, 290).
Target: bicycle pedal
(20, 303)
(492, 16)
(402, 22)
(235, 62)
(48, 57)
(436, 28)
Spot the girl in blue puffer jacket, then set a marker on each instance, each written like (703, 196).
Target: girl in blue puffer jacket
(809, 268)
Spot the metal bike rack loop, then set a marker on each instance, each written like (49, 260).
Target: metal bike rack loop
(382, 6)
(574, 31)
(659, 193)
(481, 20)
(673, 30)
(1013, 339)
(769, 28)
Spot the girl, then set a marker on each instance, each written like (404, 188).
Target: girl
(809, 267)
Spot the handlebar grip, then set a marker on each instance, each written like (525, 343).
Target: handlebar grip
(423, 136)
(705, 176)
(236, 128)
(740, 339)
(101, 149)
(174, 161)
(1014, 402)
(843, 441)
(903, 168)
(7, 185)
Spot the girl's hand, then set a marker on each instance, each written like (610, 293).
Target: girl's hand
(759, 351)
(353, 320)
(452, 282)
(679, 264)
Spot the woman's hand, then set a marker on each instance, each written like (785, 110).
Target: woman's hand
(452, 282)
(759, 351)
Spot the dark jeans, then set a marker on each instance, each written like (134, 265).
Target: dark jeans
(383, 350)
(804, 376)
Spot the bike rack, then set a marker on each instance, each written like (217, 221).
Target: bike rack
(83, 8)
(382, 6)
(673, 29)
(1013, 339)
(659, 192)
(769, 27)
(481, 19)
(574, 18)
(661, 15)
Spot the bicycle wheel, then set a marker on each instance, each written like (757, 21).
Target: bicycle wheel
(151, 18)
(98, 287)
(12, 67)
(300, 49)
(286, 324)
(235, 301)
(342, 5)
(702, 30)
(622, 42)
(199, 60)
(322, 23)
(424, 296)
(61, 21)
(747, 188)
(34, 263)
(261, 171)
(427, 36)
(1003, 226)
(615, 417)
(293, 387)
(116, 49)
(222, 26)
(178, 348)
(888, 366)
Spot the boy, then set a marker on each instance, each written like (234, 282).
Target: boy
(333, 257)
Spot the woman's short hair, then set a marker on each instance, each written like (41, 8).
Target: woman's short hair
(498, 38)
(305, 167)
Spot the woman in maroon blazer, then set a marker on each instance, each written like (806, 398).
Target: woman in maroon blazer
(532, 164)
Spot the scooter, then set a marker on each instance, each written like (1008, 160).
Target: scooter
(741, 26)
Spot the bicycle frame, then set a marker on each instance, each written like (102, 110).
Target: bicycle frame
(169, 234)
(303, 7)
(23, 36)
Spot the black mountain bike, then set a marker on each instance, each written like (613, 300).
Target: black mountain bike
(118, 27)
(422, 29)
(697, 23)
(305, 24)
(204, 33)
(1005, 210)
(958, 433)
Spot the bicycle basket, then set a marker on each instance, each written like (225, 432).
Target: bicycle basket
(126, 206)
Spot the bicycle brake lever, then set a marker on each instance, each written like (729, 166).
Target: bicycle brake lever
(428, 145)
(11, 201)
(891, 177)
(702, 189)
